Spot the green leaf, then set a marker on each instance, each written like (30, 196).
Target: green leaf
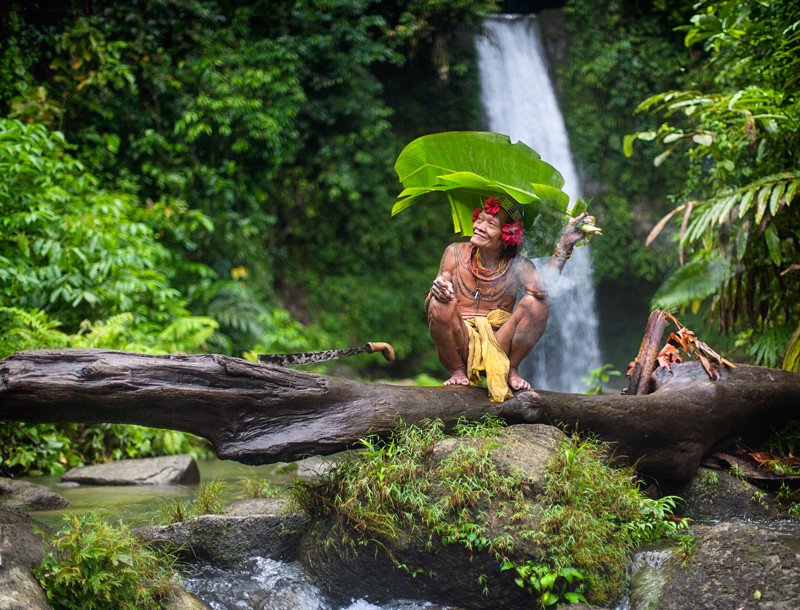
(773, 244)
(775, 198)
(662, 157)
(549, 598)
(548, 580)
(698, 279)
(703, 139)
(763, 198)
(470, 166)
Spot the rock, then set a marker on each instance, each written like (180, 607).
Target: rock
(314, 466)
(181, 599)
(67, 485)
(527, 448)
(735, 565)
(20, 545)
(20, 549)
(451, 572)
(165, 470)
(22, 495)
(714, 494)
(19, 590)
(250, 528)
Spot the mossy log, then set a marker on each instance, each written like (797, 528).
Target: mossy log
(259, 413)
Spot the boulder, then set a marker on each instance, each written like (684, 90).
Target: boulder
(717, 495)
(254, 527)
(452, 574)
(20, 548)
(165, 470)
(20, 544)
(19, 590)
(22, 495)
(735, 565)
(181, 599)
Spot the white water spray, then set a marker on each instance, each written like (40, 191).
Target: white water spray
(518, 100)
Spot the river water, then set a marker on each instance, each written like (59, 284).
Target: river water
(264, 584)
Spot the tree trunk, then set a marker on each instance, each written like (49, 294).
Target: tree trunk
(259, 413)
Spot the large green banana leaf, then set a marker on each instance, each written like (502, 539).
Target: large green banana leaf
(468, 166)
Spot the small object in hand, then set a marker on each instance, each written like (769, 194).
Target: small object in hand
(588, 226)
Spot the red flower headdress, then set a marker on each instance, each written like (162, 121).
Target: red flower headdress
(511, 231)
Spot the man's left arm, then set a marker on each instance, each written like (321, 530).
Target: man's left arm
(571, 235)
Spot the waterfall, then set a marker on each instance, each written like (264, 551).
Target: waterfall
(518, 100)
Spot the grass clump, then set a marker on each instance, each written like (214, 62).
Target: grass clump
(254, 487)
(207, 502)
(94, 565)
(570, 543)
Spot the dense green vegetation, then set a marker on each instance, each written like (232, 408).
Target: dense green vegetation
(737, 125)
(216, 175)
(593, 514)
(94, 565)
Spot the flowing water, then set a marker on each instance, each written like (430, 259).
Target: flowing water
(518, 100)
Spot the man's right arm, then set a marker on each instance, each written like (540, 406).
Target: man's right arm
(442, 288)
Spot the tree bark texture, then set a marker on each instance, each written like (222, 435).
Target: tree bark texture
(259, 413)
(646, 360)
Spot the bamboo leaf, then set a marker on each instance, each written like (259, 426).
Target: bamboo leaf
(775, 198)
(661, 224)
(746, 202)
(791, 189)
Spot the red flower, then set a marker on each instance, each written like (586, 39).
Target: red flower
(491, 206)
(475, 213)
(512, 233)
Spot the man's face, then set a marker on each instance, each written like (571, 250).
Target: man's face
(487, 230)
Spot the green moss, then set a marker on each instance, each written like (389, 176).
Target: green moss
(571, 540)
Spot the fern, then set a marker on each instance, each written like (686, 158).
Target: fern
(187, 334)
(28, 329)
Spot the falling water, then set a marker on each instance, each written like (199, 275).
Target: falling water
(518, 100)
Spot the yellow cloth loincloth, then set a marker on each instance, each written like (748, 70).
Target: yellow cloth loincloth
(485, 354)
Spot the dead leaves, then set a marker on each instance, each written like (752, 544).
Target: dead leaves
(685, 339)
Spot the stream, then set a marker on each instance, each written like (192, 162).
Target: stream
(269, 584)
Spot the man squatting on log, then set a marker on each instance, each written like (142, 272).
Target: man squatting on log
(473, 314)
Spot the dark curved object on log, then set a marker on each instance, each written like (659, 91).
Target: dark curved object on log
(257, 413)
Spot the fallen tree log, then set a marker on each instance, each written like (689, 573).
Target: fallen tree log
(259, 413)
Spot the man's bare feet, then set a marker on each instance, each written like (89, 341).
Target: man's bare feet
(516, 382)
(457, 377)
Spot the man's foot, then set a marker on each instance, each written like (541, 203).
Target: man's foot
(516, 382)
(458, 377)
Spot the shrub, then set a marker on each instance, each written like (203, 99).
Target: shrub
(95, 565)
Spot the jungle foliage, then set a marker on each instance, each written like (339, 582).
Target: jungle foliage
(216, 175)
(737, 127)
(616, 54)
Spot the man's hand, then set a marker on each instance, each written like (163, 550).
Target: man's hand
(575, 231)
(442, 289)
